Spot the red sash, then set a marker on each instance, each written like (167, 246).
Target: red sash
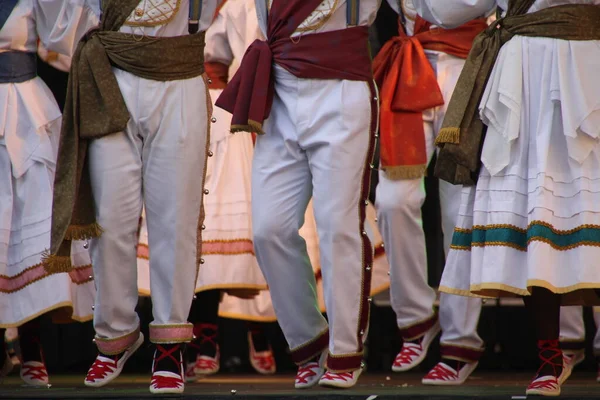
(408, 87)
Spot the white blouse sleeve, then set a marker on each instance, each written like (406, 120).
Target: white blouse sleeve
(217, 47)
(61, 23)
(453, 13)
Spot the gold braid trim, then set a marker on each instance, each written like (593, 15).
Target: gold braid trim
(252, 127)
(448, 135)
(83, 232)
(405, 172)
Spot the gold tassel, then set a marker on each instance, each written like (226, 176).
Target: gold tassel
(448, 135)
(252, 127)
(405, 172)
(83, 232)
(54, 264)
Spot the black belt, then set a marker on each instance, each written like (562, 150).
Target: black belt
(17, 66)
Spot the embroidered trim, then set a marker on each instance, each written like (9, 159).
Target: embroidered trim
(519, 238)
(173, 333)
(307, 351)
(319, 17)
(141, 16)
(35, 273)
(119, 344)
(68, 304)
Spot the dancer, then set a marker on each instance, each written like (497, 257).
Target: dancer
(411, 117)
(29, 130)
(320, 131)
(142, 141)
(572, 336)
(529, 225)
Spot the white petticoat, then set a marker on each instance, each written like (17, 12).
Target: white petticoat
(533, 218)
(29, 132)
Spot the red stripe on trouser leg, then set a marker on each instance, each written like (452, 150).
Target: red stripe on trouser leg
(461, 353)
(344, 363)
(314, 348)
(417, 330)
(341, 363)
(367, 249)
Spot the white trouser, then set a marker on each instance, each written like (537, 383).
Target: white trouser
(572, 329)
(318, 142)
(398, 204)
(157, 162)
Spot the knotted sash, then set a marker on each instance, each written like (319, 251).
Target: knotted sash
(462, 133)
(409, 87)
(340, 54)
(95, 108)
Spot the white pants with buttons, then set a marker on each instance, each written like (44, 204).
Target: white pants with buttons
(157, 162)
(398, 204)
(318, 142)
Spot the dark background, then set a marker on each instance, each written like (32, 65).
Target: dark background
(506, 331)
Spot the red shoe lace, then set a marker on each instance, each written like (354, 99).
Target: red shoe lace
(264, 362)
(206, 363)
(439, 372)
(552, 347)
(334, 376)
(162, 382)
(545, 384)
(164, 353)
(407, 353)
(35, 372)
(100, 369)
(200, 330)
(306, 372)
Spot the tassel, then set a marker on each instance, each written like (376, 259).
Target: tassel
(252, 127)
(405, 172)
(83, 232)
(54, 264)
(448, 135)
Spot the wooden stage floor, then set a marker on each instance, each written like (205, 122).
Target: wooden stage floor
(484, 385)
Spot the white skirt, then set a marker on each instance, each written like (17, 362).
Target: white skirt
(533, 218)
(29, 132)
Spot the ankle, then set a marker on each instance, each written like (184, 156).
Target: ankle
(551, 358)
(168, 357)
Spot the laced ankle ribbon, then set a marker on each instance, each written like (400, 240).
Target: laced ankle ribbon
(37, 372)
(334, 376)
(306, 372)
(408, 353)
(100, 368)
(440, 372)
(552, 347)
(159, 381)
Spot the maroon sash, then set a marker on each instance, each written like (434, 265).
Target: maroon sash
(340, 54)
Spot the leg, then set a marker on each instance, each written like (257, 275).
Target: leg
(543, 307)
(174, 161)
(261, 353)
(459, 317)
(572, 335)
(399, 205)
(203, 352)
(461, 346)
(33, 371)
(340, 153)
(281, 191)
(115, 171)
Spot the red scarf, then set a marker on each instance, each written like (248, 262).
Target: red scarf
(341, 54)
(409, 87)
